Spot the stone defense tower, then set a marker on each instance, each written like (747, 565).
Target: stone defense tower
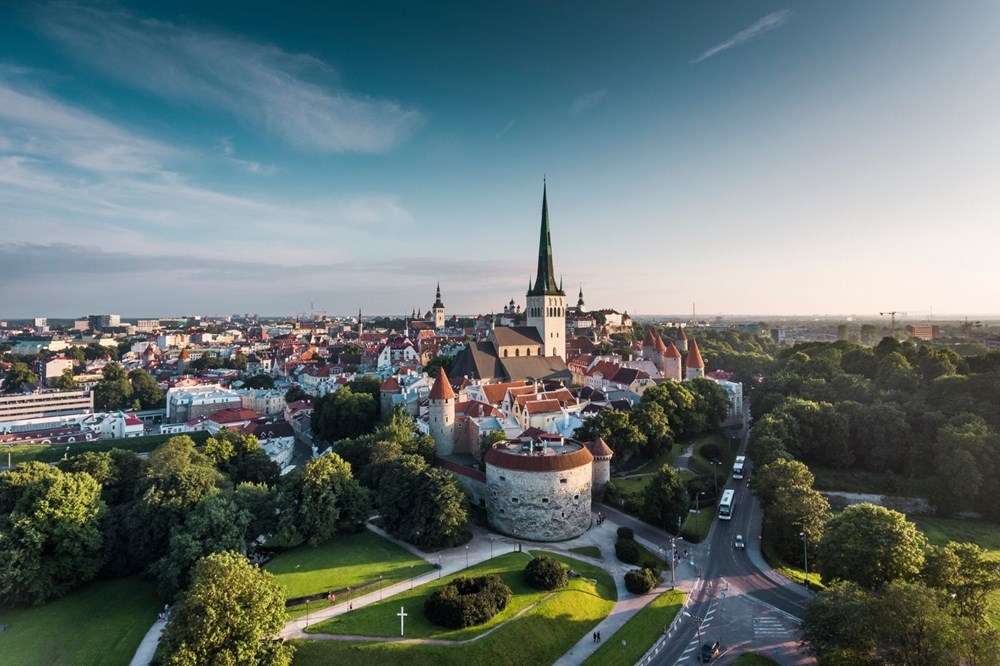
(184, 360)
(438, 309)
(681, 341)
(441, 417)
(649, 348)
(602, 465)
(672, 363)
(695, 366)
(546, 306)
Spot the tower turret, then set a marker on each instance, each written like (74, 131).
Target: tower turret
(695, 366)
(441, 415)
(546, 301)
(438, 309)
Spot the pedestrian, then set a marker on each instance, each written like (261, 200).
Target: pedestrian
(350, 607)
(598, 637)
(593, 637)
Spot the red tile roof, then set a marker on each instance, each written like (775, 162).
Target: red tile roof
(672, 351)
(599, 448)
(442, 387)
(694, 356)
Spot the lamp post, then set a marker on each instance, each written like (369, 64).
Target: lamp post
(715, 474)
(624, 661)
(805, 555)
(466, 557)
(673, 549)
(701, 493)
(491, 548)
(380, 587)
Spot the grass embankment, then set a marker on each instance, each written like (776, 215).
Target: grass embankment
(858, 481)
(55, 452)
(101, 623)
(789, 571)
(550, 626)
(347, 561)
(588, 551)
(700, 464)
(639, 633)
(986, 535)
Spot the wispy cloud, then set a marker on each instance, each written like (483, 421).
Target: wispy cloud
(770, 22)
(250, 166)
(588, 101)
(294, 95)
(506, 128)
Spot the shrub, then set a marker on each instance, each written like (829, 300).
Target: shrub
(545, 573)
(640, 581)
(626, 533)
(628, 551)
(654, 567)
(711, 451)
(466, 602)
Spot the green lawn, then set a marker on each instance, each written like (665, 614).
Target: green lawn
(696, 525)
(639, 633)
(661, 459)
(701, 464)
(345, 561)
(789, 571)
(55, 452)
(588, 551)
(101, 623)
(540, 636)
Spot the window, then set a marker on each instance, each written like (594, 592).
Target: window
(545, 500)
(576, 497)
(562, 481)
(514, 500)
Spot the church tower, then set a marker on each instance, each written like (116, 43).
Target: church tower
(438, 309)
(580, 306)
(546, 306)
(441, 415)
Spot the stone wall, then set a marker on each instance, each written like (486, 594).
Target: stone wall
(539, 506)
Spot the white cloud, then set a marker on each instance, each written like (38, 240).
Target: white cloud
(588, 101)
(506, 128)
(250, 166)
(770, 22)
(293, 95)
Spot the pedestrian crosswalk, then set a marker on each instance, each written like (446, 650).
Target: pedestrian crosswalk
(769, 627)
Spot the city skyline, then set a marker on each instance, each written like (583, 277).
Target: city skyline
(753, 157)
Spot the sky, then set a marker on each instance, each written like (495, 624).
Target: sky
(744, 157)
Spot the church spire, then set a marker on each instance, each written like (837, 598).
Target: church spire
(437, 301)
(545, 280)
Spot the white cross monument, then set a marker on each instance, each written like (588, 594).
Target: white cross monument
(402, 618)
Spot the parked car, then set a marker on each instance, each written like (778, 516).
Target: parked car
(710, 651)
(738, 542)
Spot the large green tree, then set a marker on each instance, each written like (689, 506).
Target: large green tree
(421, 504)
(50, 532)
(343, 414)
(871, 546)
(145, 389)
(227, 617)
(618, 429)
(321, 500)
(18, 375)
(966, 573)
(665, 499)
(113, 390)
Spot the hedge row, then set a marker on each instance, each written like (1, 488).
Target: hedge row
(466, 602)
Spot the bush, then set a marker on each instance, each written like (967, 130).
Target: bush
(466, 602)
(654, 567)
(545, 573)
(640, 581)
(626, 533)
(712, 452)
(628, 551)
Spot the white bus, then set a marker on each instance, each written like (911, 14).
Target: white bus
(738, 467)
(726, 505)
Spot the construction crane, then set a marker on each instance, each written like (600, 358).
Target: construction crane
(967, 327)
(893, 314)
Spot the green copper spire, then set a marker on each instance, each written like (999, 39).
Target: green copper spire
(545, 280)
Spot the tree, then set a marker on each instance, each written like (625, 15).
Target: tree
(711, 403)
(238, 361)
(259, 382)
(18, 375)
(215, 524)
(545, 573)
(677, 402)
(65, 381)
(422, 504)
(653, 423)
(145, 389)
(295, 393)
(50, 534)
(438, 362)
(665, 498)
(837, 626)
(782, 473)
(344, 414)
(617, 429)
(871, 546)
(965, 572)
(113, 390)
(797, 513)
(322, 500)
(227, 616)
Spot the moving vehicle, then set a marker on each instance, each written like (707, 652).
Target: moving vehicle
(738, 466)
(726, 505)
(710, 651)
(738, 542)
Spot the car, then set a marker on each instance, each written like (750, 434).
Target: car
(710, 651)
(738, 543)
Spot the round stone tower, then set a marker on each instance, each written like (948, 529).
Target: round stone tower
(539, 490)
(695, 366)
(672, 363)
(441, 417)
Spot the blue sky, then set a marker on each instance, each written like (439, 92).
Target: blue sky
(748, 157)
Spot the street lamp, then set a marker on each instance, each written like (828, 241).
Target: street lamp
(673, 550)
(805, 555)
(701, 493)
(466, 557)
(380, 587)
(624, 661)
(491, 548)
(439, 567)
(715, 474)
